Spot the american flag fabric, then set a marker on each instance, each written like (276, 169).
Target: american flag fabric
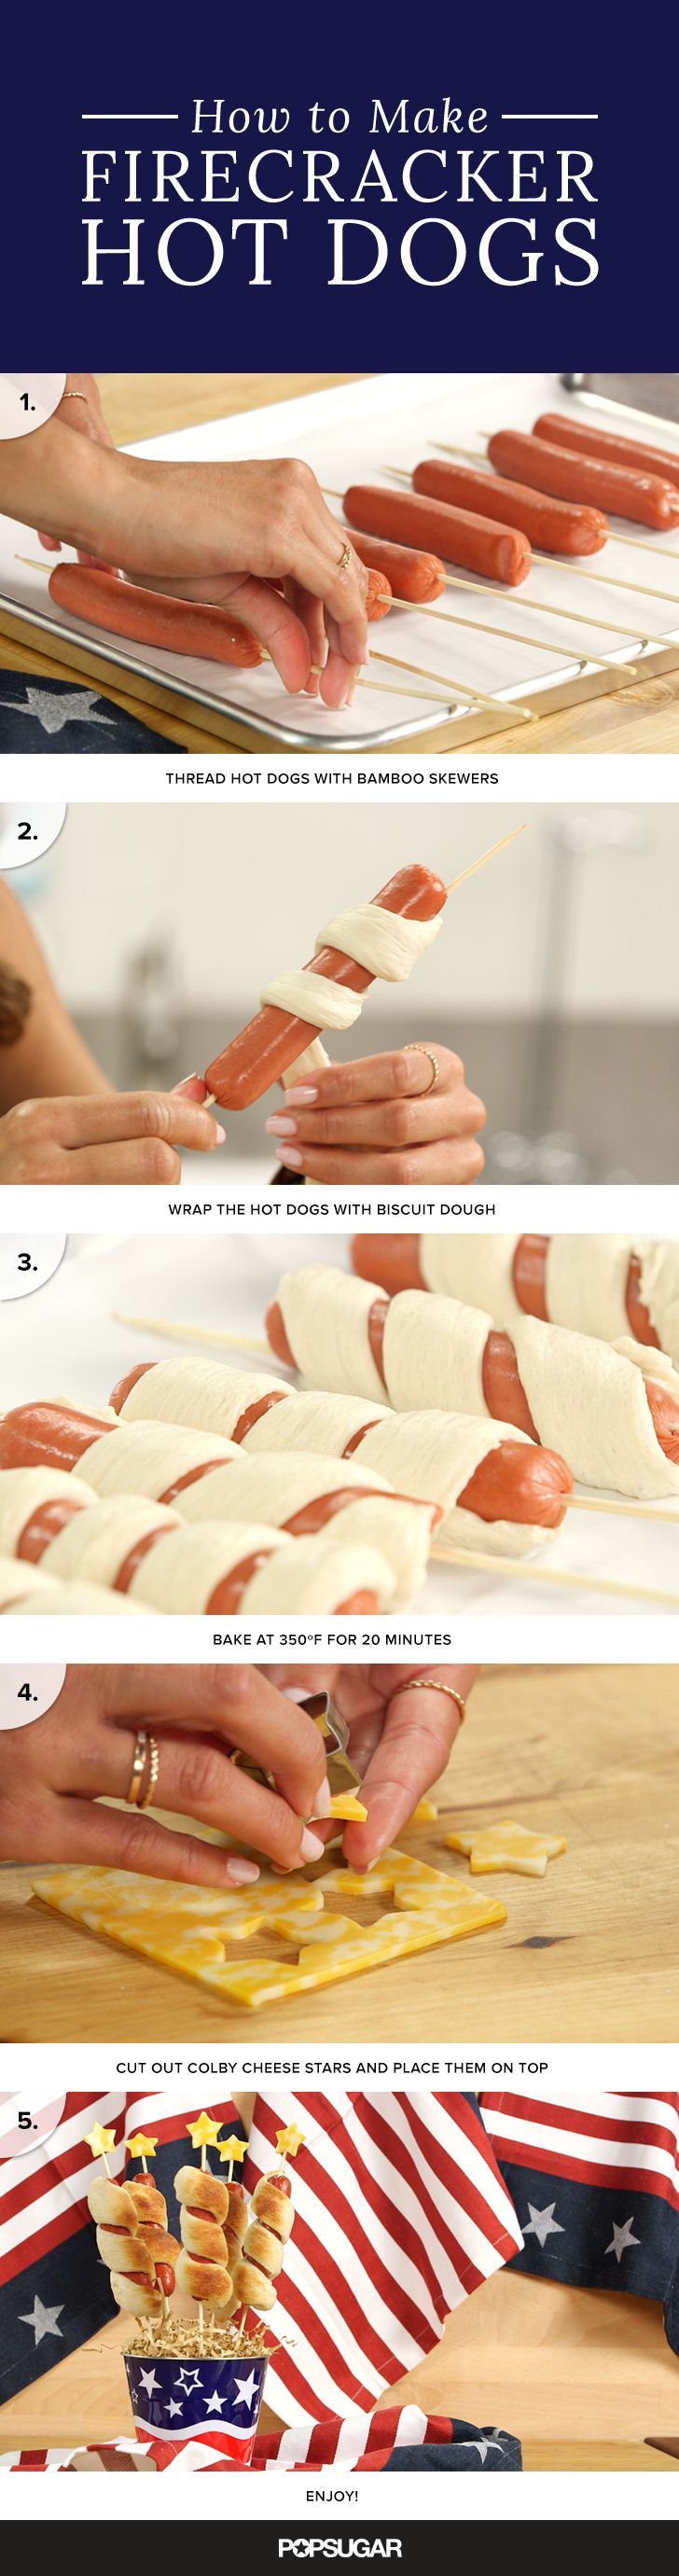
(399, 2438)
(54, 2290)
(400, 2212)
(594, 2179)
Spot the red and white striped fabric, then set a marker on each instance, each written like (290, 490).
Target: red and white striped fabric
(358, 2442)
(628, 2139)
(400, 2212)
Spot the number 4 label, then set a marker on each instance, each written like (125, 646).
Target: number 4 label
(28, 1694)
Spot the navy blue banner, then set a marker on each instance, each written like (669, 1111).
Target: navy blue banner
(504, 188)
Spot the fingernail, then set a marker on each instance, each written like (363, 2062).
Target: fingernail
(192, 1088)
(280, 1126)
(366, 655)
(311, 1846)
(323, 1798)
(220, 1135)
(242, 1872)
(301, 1091)
(290, 1155)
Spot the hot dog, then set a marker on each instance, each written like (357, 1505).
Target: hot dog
(394, 1262)
(136, 2281)
(35, 1503)
(153, 616)
(415, 577)
(271, 1041)
(522, 1485)
(460, 536)
(558, 527)
(437, 1351)
(641, 497)
(589, 440)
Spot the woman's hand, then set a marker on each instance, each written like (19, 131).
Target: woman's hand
(53, 1773)
(256, 535)
(399, 1739)
(134, 1136)
(383, 1119)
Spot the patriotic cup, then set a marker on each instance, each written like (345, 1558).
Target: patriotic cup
(177, 2401)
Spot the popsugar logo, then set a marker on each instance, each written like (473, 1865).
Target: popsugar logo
(344, 2546)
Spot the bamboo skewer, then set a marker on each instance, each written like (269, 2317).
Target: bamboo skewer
(492, 853)
(459, 688)
(486, 590)
(390, 689)
(536, 644)
(524, 1571)
(617, 581)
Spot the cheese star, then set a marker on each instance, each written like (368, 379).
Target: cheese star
(289, 2141)
(100, 2140)
(506, 1846)
(141, 2146)
(204, 2132)
(232, 2150)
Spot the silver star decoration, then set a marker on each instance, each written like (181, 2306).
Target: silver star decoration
(76, 707)
(147, 2380)
(173, 2408)
(543, 2223)
(621, 2239)
(246, 2389)
(43, 2320)
(482, 2447)
(215, 2403)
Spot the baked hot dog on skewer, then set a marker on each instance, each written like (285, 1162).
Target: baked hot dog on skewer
(202, 2266)
(266, 2236)
(134, 2282)
(470, 1469)
(600, 1284)
(617, 1424)
(383, 938)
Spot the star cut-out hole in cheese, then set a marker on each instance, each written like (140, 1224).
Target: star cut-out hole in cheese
(506, 1846)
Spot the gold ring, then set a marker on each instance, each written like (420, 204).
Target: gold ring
(148, 1793)
(72, 397)
(426, 1683)
(417, 1047)
(345, 559)
(138, 1769)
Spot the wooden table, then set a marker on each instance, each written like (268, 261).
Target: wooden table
(643, 717)
(582, 2376)
(588, 1953)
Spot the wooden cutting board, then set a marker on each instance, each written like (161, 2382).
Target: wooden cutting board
(588, 1953)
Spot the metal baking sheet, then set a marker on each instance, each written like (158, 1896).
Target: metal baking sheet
(69, 1343)
(352, 433)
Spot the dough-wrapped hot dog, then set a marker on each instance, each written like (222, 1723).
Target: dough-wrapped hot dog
(644, 498)
(266, 2236)
(127, 2247)
(236, 2222)
(556, 527)
(137, 2296)
(598, 1283)
(477, 544)
(202, 2266)
(382, 938)
(447, 1459)
(614, 1424)
(125, 2252)
(35, 1503)
(26, 1592)
(144, 1550)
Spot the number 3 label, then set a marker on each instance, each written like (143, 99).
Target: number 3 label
(28, 1693)
(27, 1261)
